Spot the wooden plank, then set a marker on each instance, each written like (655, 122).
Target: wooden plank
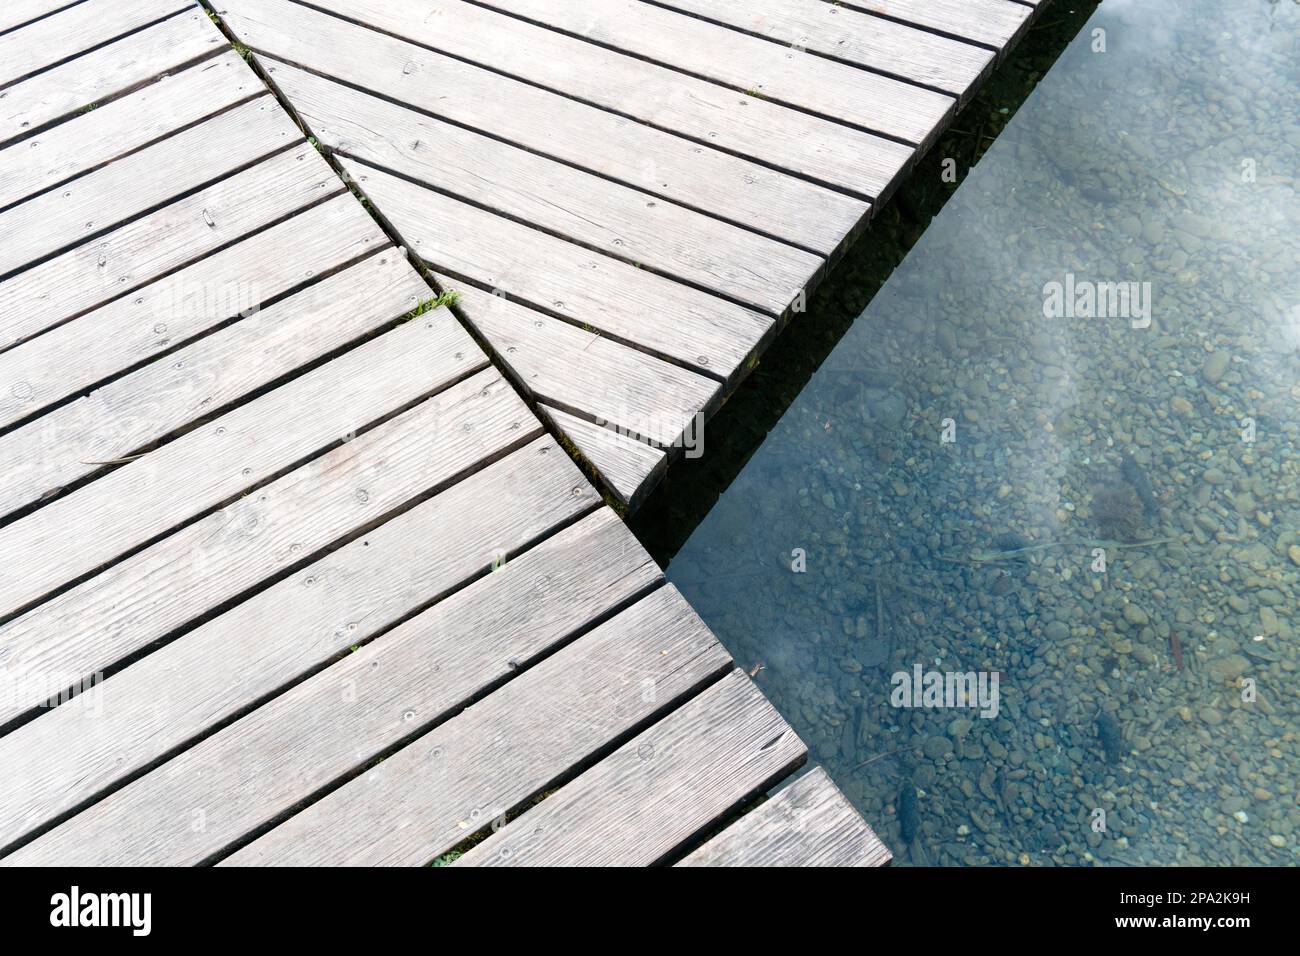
(75, 30)
(80, 354)
(632, 391)
(15, 13)
(636, 307)
(211, 563)
(290, 630)
(853, 37)
(621, 149)
(642, 802)
(809, 823)
(114, 422)
(809, 146)
(578, 206)
(126, 124)
(132, 255)
(994, 23)
(335, 723)
(211, 465)
(116, 192)
(789, 75)
(114, 69)
(730, 188)
(458, 778)
(629, 467)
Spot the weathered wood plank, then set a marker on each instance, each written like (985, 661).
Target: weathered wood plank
(114, 69)
(15, 13)
(789, 76)
(80, 354)
(663, 317)
(654, 793)
(629, 389)
(830, 153)
(78, 28)
(106, 197)
(210, 563)
(734, 189)
(126, 124)
(291, 629)
(852, 37)
(115, 421)
(474, 768)
(338, 721)
(809, 823)
(994, 23)
(208, 466)
(629, 467)
(579, 206)
(134, 254)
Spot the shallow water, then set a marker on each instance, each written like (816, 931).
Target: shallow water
(1098, 506)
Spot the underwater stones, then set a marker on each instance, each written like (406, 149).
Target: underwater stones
(1135, 615)
(1057, 631)
(1181, 406)
(936, 747)
(890, 411)
(1215, 364)
(1117, 511)
(959, 728)
(1268, 620)
(1293, 552)
(1227, 668)
(1214, 476)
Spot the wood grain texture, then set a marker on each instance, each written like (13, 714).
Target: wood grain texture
(287, 631)
(809, 823)
(17, 12)
(115, 421)
(698, 177)
(853, 37)
(76, 29)
(227, 456)
(498, 753)
(112, 265)
(336, 722)
(59, 92)
(623, 222)
(631, 468)
(660, 316)
(795, 142)
(628, 389)
(108, 196)
(207, 564)
(994, 23)
(126, 124)
(790, 76)
(642, 802)
(80, 354)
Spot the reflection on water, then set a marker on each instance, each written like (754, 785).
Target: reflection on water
(1016, 465)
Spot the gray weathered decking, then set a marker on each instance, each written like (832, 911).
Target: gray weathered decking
(667, 179)
(307, 577)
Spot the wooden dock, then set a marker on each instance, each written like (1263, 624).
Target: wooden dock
(291, 571)
(647, 188)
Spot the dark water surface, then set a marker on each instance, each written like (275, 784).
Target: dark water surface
(1092, 499)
